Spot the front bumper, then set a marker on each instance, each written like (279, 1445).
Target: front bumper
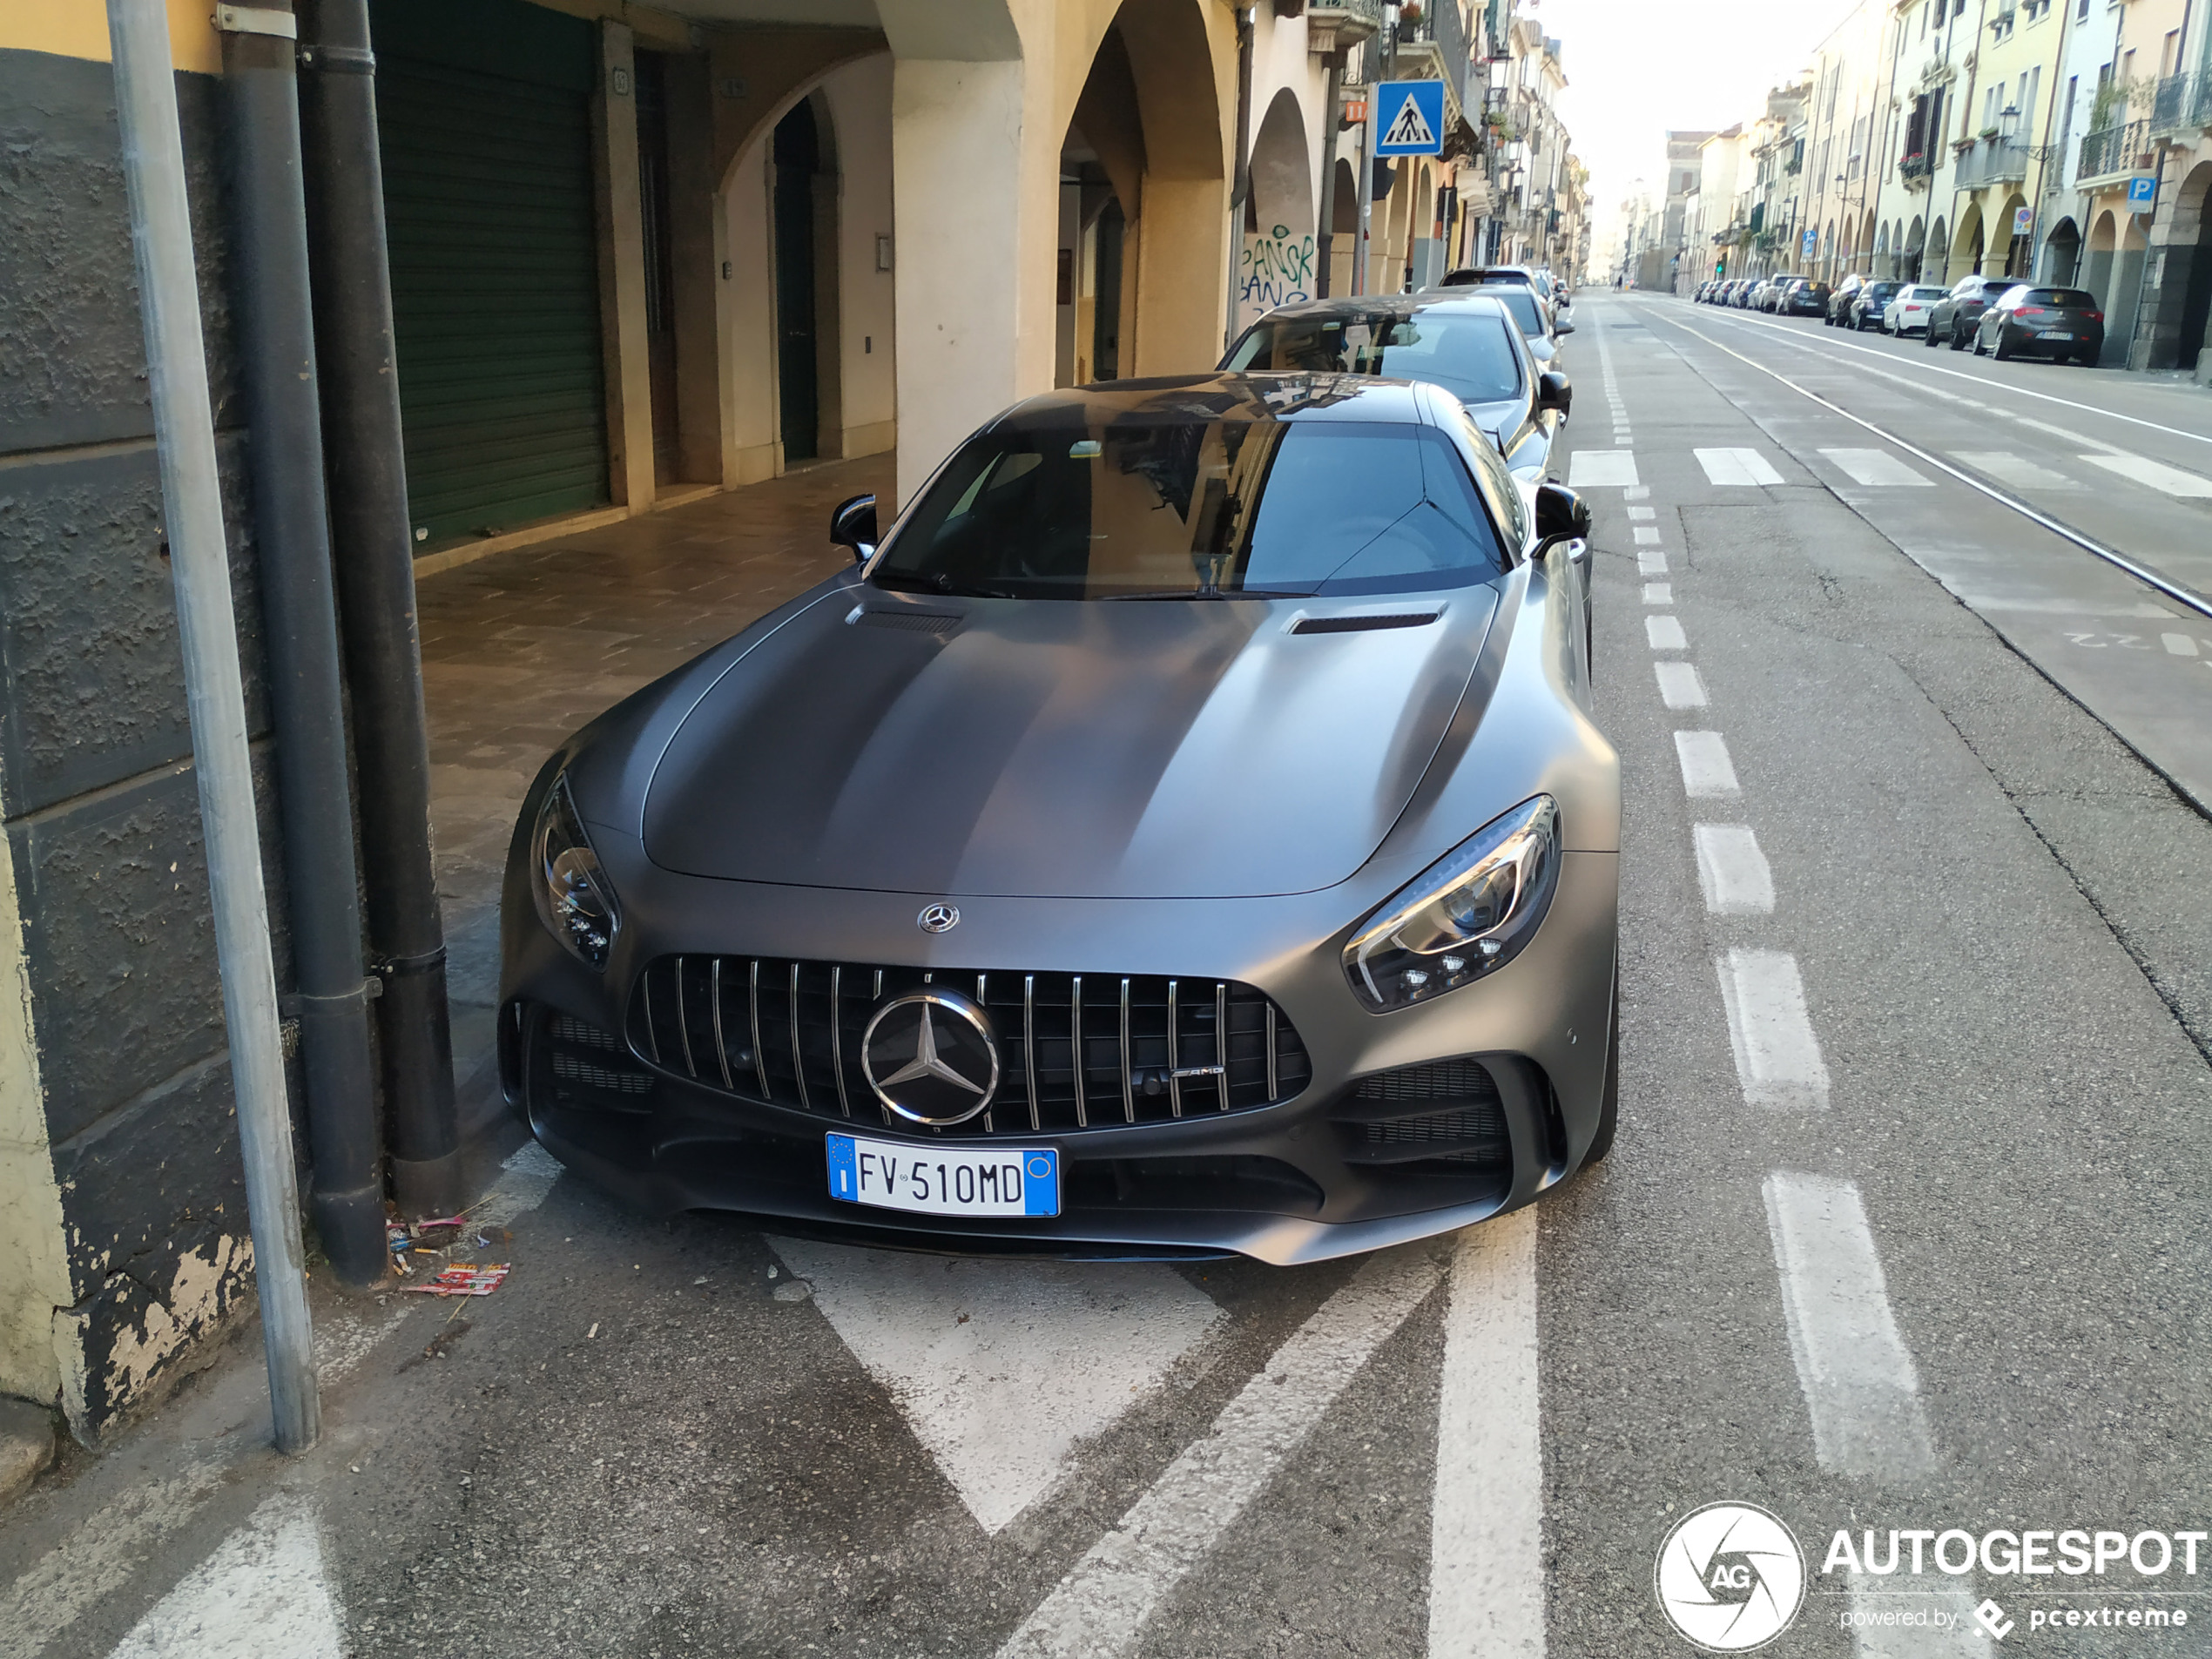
(1285, 1183)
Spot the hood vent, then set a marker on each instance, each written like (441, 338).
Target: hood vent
(906, 622)
(1366, 624)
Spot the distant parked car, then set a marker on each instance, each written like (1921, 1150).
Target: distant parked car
(1866, 306)
(1959, 313)
(1839, 302)
(1907, 311)
(1761, 295)
(1741, 298)
(1805, 298)
(2058, 323)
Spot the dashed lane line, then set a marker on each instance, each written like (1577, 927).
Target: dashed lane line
(1876, 469)
(1859, 1384)
(1601, 469)
(1707, 772)
(1679, 686)
(2169, 481)
(2009, 467)
(1665, 633)
(1651, 562)
(1099, 1610)
(1732, 871)
(1778, 1058)
(1658, 593)
(1486, 1598)
(263, 1593)
(1735, 467)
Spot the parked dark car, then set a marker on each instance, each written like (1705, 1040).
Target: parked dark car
(965, 956)
(2057, 323)
(1839, 302)
(1959, 313)
(1867, 305)
(1805, 298)
(1470, 343)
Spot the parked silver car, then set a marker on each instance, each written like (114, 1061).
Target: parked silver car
(1184, 832)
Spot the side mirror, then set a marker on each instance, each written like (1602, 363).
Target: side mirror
(853, 524)
(1561, 512)
(1553, 391)
(1563, 325)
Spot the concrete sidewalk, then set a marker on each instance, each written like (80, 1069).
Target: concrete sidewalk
(522, 648)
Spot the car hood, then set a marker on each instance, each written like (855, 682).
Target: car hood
(1129, 749)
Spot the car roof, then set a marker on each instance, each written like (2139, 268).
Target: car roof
(1255, 396)
(1459, 301)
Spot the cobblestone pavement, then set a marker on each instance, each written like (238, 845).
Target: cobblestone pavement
(520, 648)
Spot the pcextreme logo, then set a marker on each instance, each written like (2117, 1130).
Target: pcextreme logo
(1731, 1577)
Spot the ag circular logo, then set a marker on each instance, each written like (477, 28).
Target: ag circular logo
(1731, 1577)
(931, 1057)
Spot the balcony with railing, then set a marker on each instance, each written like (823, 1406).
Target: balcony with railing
(2111, 152)
(1432, 45)
(1992, 161)
(1916, 170)
(1332, 23)
(2181, 104)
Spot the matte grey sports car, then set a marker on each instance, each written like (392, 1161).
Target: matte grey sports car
(1184, 833)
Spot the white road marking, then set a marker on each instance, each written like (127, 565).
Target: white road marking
(1860, 1388)
(2171, 481)
(1777, 1057)
(2006, 468)
(1732, 871)
(1737, 467)
(1665, 633)
(2179, 645)
(1646, 535)
(1658, 593)
(1596, 469)
(1650, 562)
(1963, 1639)
(263, 1593)
(1637, 492)
(1876, 469)
(1635, 513)
(1002, 1367)
(1100, 1608)
(1679, 686)
(530, 1174)
(1707, 774)
(1486, 1579)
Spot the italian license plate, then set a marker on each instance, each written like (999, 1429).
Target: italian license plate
(945, 1180)
(2054, 333)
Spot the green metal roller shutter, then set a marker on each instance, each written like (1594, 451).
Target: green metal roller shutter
(484, 112)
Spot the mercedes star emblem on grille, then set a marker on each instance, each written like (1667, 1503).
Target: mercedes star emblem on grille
(930, 1056)
(938, 918)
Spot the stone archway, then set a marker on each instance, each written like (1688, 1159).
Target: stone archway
(1276, 264)
(1937, 248)
(2062, 253)
(2011, 253)
(1915, 238)
(1967, 246)
(2175, 327)
(1344, 226)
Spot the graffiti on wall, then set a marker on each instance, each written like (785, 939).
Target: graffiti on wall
(1276, 269)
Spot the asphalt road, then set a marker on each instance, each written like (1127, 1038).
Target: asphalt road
(1905, 1227)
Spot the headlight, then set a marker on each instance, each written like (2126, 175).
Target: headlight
(573, 898)
(1466, 915)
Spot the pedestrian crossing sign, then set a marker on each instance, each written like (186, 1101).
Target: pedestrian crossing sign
(1409, 118)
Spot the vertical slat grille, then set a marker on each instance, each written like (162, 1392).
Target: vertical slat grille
(1167, 1049)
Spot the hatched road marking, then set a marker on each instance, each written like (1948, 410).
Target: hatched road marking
(1778, 1058)
(1860, 1388)
(1732, 871)
(1486, 1598)
(1101, 1608)
(1737, 467)
(263, 1593)
(1876, 469)
(2171, 481)
(1596, 469)
(1002, 1367)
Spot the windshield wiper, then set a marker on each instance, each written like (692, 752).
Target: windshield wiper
(1210, 593)
(942, 586)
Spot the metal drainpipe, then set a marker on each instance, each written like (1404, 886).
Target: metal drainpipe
(1241, 177)
(370, 535)
(192, 507)
(292, 538)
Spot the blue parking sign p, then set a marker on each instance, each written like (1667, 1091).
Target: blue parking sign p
(1409, 118)
(2142, 192)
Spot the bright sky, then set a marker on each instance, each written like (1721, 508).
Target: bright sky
(1636, 68)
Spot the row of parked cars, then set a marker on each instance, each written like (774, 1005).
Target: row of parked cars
(2000, 314)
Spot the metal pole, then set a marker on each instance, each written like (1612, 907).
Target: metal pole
(1241, 176)
(291, 536)
(371, 542)
(1324, 243)
(153, 169)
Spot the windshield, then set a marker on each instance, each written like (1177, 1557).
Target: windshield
(1195, 509)
(1470, 354)
(1522, 303)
